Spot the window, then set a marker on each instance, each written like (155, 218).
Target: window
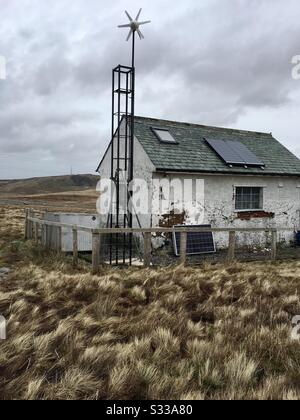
(249, 198)
(164, 135)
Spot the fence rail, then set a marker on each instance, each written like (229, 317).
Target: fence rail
(34, 224)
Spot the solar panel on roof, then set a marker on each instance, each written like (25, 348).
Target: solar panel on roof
(225, 152)
(245, 153)
(197, 242)
(234, 153)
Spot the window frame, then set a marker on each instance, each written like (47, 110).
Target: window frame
(155, 132)
(261, 198)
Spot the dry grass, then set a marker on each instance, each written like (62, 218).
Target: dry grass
(217, 332)
(80, 196)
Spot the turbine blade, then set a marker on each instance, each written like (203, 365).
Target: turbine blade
(128, 15)
(140, 34)
(128, 25)
(138, 15)
(129, 35)
(144, 23)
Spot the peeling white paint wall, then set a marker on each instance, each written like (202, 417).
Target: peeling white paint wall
(281, 196)
(143, 169)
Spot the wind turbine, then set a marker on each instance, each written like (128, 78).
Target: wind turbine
(134, 25)
(129, 115)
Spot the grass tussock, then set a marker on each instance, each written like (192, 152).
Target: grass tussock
(215, 332)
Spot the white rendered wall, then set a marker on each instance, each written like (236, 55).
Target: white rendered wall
(281, 197)
(143, 169)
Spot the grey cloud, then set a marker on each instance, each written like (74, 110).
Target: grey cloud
(51, 75)
(215, 62)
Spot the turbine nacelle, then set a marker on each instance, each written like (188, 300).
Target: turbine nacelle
(134, 25)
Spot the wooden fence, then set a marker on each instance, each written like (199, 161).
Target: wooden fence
(36, 229)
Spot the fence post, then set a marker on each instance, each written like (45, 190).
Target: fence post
(274, 245)
(95, 252)
(32, 214)
(26, 225)
(43, 235)
(29, 233)
(183, 243)
(47, 236)
(147, 249)
(59, 240)
(36, 232)
(75, 247)
(231, 248)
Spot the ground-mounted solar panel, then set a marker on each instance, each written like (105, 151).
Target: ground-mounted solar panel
(234, 153)
(197, 242)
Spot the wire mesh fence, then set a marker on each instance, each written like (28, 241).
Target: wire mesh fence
(159, 246)
(121, 249)
(115, 250)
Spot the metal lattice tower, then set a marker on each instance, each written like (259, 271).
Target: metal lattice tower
(122, 147)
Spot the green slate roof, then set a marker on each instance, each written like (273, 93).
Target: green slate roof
(193, 154)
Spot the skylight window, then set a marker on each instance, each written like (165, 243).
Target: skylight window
(164, 136)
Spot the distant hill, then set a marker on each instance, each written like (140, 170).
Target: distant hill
(52, 184)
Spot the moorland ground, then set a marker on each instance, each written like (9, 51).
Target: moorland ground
(212, 332)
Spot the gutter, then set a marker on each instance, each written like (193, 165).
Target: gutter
(263, 173)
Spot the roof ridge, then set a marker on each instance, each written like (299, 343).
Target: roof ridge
(205, 126)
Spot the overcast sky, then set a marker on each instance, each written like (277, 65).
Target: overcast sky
(217, 62)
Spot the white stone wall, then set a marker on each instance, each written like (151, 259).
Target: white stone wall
(143, 169)
(281, 196)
